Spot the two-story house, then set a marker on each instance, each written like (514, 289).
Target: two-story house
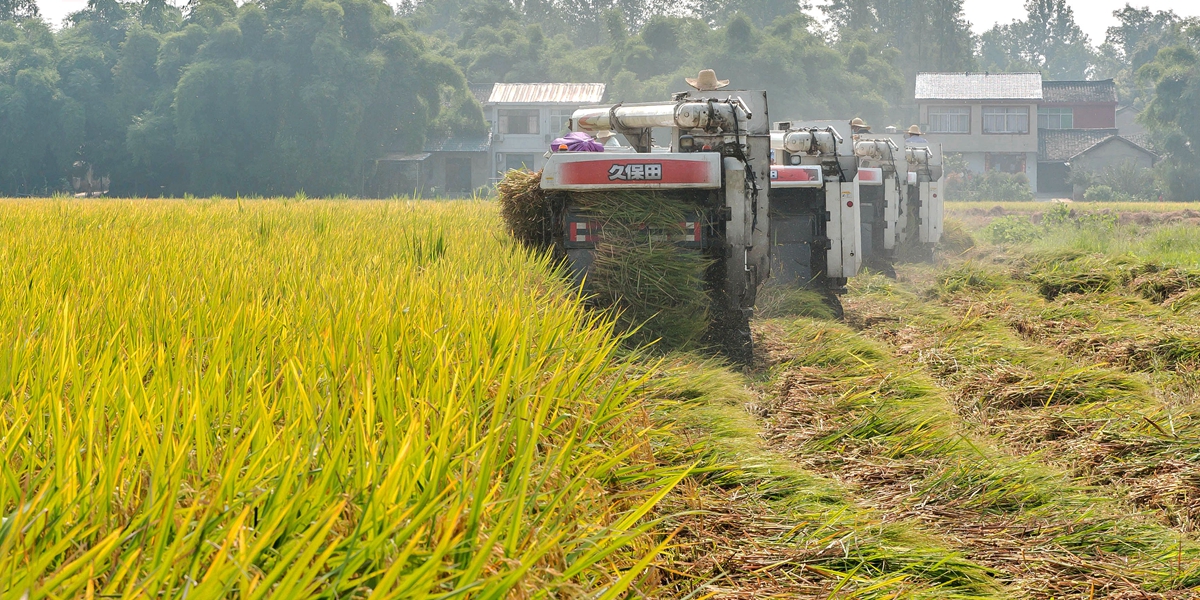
(526, 117)
(990, 119)
(1017, 123)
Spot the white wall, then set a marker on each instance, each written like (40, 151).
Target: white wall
(975, 145)
(976, 140)
(535, 144)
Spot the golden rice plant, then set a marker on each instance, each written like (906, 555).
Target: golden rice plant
(286, 399)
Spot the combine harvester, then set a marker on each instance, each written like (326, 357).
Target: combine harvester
(816, 214)
(718, 163)
(745, 215)
(896, 188)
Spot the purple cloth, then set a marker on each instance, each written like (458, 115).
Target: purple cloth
(577, 141)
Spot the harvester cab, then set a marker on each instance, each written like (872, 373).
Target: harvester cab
(715, 176)
(816, 232)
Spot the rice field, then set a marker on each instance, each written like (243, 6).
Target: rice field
(221, 398)
(349, 399)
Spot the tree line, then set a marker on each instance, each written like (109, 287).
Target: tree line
(282, 96)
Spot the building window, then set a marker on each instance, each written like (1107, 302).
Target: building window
(1005, 163)
(518, 121)
(560, 119)
(1056, 118)
(519, 162)
(1006, 119)
(949, 119)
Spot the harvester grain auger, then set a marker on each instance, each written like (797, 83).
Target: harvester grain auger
(717, 169)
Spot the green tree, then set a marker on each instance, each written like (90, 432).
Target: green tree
(17, 10)
(927, 35)
(1047, 40)
(1174, 113)
(1133, 42)
(263, 98)
(39, 125)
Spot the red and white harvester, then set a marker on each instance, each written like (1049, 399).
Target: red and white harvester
(900, 189)
(816, 215)
(896, 190)
(718, 159)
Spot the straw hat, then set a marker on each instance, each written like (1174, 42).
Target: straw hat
(914, 130)
(706, 81)
(857, 122)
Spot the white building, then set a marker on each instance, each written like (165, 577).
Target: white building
(526, 117)
(989, 118)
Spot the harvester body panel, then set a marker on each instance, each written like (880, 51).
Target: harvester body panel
(594, 171)
(852, 244)
(927, 175)
(798, 176)
(891, 212)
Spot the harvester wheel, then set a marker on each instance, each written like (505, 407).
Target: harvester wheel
(731, 332)
(834, 303)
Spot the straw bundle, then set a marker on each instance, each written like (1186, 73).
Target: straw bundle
(656, 287)
(525, 208)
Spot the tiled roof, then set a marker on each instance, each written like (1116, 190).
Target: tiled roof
(1141, 139)
(531, 93)
(979, 86)
(1078, 91)
(466, 143)
(1062, 145)
(404, 156)
(1059, 145)
(481, 91)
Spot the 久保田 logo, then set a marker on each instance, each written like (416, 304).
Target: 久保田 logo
(637, 172)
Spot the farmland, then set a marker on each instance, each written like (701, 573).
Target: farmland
(224, 398)
(393, 399)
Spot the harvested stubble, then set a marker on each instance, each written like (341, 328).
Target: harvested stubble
(754, 524)
(656, 290)
(349, 399)
(845, 409)
(1106, 391)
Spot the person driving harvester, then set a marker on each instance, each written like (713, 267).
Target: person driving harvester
(706, 81)
(913, 137)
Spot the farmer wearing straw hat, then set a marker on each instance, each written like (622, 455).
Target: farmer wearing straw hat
(858, 126)
(604, 137)
(706, 81)
(914, 137)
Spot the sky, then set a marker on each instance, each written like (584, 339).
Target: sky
(1094, 16)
